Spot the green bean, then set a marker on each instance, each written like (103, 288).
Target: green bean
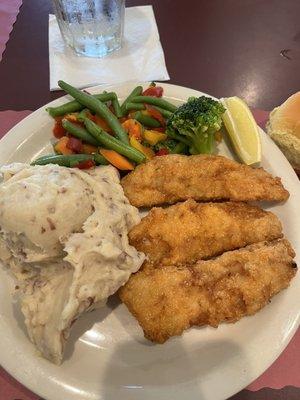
(83, 114)
(112, 143)
(146, 120)
(134, 106)
(74, 105)
(140, 106)
(63, 160)
(116, 105)
(136, 92)
(100, 160)
(79, 132)
(69, 160)
(165, 113)
(155, 101)
(98, 107)
(180, 148)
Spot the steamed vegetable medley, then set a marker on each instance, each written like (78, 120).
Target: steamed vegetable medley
(95, 129)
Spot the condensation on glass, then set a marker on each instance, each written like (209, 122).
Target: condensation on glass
(93, 28)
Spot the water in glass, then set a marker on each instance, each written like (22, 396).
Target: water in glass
(93, 28)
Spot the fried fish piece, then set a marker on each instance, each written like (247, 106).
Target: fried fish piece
(175, 177)
(189, 231)
(166, 300)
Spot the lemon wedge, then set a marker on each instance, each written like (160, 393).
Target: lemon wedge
(242, 130)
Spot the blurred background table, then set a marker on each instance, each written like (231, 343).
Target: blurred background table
(248, 48)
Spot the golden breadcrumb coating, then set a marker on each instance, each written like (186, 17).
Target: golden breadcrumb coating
(189, 231)
(175, 177)
(166, 300)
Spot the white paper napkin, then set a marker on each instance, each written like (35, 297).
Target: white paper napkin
(141, 57)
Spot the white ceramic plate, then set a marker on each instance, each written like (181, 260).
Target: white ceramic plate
(107, 356)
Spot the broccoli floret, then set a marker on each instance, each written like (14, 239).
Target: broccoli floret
(195, 123)
(168, 144)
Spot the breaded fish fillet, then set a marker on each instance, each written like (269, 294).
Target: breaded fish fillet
(189, 231)
(166, 300)
(173, 178)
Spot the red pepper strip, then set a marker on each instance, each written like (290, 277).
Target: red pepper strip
(58, 129)
(86, 164)
(160, 129)
(154, 113)
(162, 152)
(155, 91)
(74, 144)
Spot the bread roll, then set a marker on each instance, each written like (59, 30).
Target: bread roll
(284, 128)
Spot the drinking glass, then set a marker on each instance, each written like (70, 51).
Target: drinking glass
(92, 28)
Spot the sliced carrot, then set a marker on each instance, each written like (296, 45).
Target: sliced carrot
(133, 128)
(89, 149)
(102, 123)
(117, 160)
(60, 147)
